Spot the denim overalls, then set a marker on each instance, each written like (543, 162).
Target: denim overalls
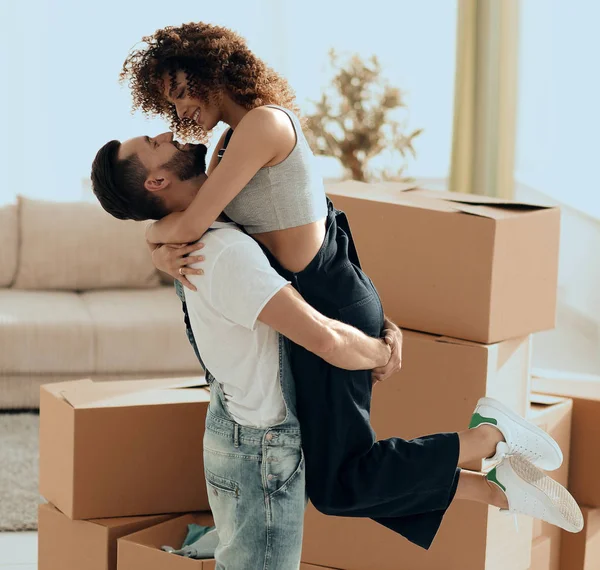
(405, 485)
(255, 478)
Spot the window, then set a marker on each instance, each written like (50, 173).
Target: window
(61, 100)
(61, 60)
(558, 144)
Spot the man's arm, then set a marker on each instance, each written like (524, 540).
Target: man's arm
(335, 342)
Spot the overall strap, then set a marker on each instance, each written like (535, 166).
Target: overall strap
(225, 143)
(188, 329)
(341, 220)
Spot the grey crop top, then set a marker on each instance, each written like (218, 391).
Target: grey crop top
(286, 195)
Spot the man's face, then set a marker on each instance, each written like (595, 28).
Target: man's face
(175, 172)
(162, 153)
(206, 114)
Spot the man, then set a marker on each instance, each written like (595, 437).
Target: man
(239, 314)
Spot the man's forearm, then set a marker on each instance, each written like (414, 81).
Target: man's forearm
(335, 342)
(352, 349)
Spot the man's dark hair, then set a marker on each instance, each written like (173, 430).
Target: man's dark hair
(119, 186)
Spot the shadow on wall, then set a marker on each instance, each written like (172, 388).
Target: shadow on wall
(575, 343)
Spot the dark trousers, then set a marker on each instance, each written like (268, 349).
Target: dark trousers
(406, 486)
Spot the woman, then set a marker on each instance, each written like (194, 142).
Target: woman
(197, 75)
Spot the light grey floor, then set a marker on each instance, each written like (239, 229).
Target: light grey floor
(18, 550)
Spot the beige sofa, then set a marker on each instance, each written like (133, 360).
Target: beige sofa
(79, 298)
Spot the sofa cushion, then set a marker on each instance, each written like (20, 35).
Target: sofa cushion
(78, 246)
(45, 332)
(9, 243)
(139, 331)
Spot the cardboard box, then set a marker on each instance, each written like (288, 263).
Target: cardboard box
(64, 544)
(312, 567)
(553, 414)
(581, 551)
(436, 391)
(541, 554)
(460, 265)
(445, 377)
(113, 449)
(471, 537)
(584, 464)
(143, 549)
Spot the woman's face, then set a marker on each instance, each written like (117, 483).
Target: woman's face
(204, 113)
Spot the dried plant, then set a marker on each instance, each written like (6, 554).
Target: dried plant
(352, 120)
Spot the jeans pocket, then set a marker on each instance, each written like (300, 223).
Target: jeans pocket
(286, 470)
(223, 497)
(365, 314)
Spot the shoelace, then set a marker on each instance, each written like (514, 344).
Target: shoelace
(502, 451)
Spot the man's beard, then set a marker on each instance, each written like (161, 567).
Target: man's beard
(188, 164)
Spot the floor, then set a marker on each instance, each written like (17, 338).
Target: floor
(18, 550)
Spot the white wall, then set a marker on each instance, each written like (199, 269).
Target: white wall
(575, 343)
(60, 61)
(558, 147)
(60, 65)
(558, 122)
(416, 45)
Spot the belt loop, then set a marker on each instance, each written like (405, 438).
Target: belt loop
(236, 435)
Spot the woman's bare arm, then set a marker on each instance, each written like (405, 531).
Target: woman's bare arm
(256, 141)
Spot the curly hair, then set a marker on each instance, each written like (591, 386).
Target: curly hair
(212, 58)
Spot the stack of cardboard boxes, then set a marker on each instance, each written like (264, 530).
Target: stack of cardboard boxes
(475, 277)
(468, 279)
(580, 551)
(119, 463)
(553, 415)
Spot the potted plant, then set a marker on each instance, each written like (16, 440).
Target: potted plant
(352, 121)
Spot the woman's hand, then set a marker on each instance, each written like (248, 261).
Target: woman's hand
(171, 259)
(393, 337)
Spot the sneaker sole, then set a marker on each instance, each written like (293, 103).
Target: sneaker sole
(563, 503)
(548, 466)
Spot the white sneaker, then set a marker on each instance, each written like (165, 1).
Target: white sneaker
(531, 492)
(521, 437)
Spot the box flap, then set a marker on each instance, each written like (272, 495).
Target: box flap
(484, 206)
(450, 340)
(479, 200)
(151, 398)
(388, 194)
(56, 388)
(87, 394)
(546, 399)
(570, 385)
(411, 195)
(194, 382)
(495, 212)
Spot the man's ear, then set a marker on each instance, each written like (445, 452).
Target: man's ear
(156, 183)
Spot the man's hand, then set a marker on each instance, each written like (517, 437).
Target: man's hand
(393, 337)
(171, 259)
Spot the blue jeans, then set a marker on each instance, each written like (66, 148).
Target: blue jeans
(255, 478)
(256, 491)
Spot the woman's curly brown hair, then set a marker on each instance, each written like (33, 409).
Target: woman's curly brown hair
(212, 58)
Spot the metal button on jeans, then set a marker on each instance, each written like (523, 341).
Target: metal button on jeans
(270, 477)
(269, 436)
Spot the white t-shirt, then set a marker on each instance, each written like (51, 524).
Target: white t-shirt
(241, 352)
